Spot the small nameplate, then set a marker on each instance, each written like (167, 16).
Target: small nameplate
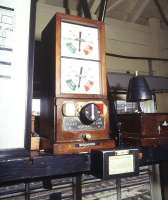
(74, 124)
(121, 152)
(121, 164)
(86, 144)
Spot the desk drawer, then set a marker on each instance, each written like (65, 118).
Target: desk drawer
(144, 125)
(146, 142)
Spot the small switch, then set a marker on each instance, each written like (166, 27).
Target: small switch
(86, 136)
(69, 109)
(101, 108)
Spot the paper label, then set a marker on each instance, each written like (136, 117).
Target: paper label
(121, 164)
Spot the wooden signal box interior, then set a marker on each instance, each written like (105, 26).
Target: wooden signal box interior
(74, 106)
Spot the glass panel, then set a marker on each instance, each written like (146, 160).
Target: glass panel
(79, 41)
(80, 76)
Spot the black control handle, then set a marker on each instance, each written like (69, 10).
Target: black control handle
(119, 135)
(89, 113)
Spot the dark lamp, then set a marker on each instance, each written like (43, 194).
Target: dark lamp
(138, 90)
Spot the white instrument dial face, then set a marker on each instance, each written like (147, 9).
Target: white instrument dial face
(79, 41)
(80, 76)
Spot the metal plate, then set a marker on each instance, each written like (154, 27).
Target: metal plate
(74, 124)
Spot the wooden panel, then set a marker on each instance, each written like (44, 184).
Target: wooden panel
(64, 136)
(53, 98)
(122, 25)
(130, 35)
(160, 67)
(130, 124)
(128, 48)
(120, 80)
(162, 102)
(151, 123)
(73, 148)
(145, 129)
(41, 166)
(124, 65)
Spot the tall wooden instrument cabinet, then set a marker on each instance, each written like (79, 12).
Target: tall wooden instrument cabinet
(74, 106)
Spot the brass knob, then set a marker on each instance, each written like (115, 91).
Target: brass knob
(86, 136)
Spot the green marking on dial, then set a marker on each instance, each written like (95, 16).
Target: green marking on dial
(71, 84)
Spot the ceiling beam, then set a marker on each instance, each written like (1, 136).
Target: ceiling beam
(130, 9)
(137, 14)
(95, 6)
(114, 5)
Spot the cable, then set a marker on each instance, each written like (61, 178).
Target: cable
(66, 6)
(102, 11)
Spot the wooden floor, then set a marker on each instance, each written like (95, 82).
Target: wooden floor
(133, 188)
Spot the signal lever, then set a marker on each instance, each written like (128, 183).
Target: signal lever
(120, 141)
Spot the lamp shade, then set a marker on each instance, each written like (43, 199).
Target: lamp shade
(138, 89)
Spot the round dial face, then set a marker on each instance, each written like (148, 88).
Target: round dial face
(80, 76)
(79, 41)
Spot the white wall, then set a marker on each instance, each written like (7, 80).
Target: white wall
(136, 40)
(162, 102)
(123, 38)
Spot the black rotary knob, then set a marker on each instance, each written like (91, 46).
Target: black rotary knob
(89, 113)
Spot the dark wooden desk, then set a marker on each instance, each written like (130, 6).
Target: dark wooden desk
(47, 166)
(40, 166)
(44, 167)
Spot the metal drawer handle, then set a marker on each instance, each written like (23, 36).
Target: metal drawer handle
(159, 129)
(164, 124)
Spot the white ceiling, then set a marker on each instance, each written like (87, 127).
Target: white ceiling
(136, 11)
